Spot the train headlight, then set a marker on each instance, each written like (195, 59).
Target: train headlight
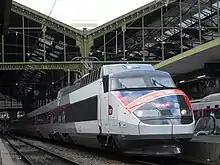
(183, 112)
(140, 113)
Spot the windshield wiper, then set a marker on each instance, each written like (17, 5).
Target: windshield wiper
(154, 83)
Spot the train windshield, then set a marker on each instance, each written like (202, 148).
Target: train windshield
(157, 106)
(141, 79)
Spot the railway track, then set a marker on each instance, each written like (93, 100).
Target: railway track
(17, 142)
(34, 155)
(170, 161)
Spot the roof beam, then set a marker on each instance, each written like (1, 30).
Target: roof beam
(47, 21)
(72, 65)
(188, 53)
(127, 18)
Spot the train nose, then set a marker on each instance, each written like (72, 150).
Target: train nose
(153, 127)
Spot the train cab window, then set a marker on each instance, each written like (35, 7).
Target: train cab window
(141, 79)
(162, 81)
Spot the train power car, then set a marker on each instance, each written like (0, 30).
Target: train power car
(207, 106)
(131, 108)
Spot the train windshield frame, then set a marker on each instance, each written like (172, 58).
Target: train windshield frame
(141, 79)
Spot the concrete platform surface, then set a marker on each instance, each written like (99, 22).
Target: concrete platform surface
(204, 149)
(5, 156)
(207, 138)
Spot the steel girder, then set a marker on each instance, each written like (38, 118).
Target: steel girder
(127, 18)
(71, 65)
(49, 22)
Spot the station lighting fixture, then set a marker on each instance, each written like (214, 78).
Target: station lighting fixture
(201, 76)
(191, 80)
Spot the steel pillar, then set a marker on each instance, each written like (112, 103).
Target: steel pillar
(218, 18)
(68, 81)
(162, 31)
(3, 48)
(143, 42)
(85, 46)
(181, 28)
(23, 31)
(64, 49)
(116, 42)
(199, 17)
(123, 30)
(44, 29)
(104, 39)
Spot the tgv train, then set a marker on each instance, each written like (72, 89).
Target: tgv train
(206, 106)
(131, 108)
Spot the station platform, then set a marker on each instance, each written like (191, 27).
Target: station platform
(5, 156)
(204, 149)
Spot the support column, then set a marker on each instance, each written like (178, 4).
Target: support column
(124, 30)
(116, 42)
(68, 81)
(162, 42)
(200, 28)
(3, 48)
(143, 42)
(181, 28)
(64, 44)
(24, 56)
(104, 47)
(62, 81)
(84, 46)
(80, 44)
(44, 29)
(76, 76)
(217, 83)
(218, 18)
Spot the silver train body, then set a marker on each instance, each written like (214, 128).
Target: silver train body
(204, 107)
(131, 108)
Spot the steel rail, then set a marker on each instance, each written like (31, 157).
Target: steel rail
(39, 148)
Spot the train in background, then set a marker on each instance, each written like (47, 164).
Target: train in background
(205, 107)
(131, 108)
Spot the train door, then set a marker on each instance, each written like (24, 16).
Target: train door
(112, 113)
(103, 109)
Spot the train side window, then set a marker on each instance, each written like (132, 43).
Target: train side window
(105, 80)
(216, 106)
(208, 107)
